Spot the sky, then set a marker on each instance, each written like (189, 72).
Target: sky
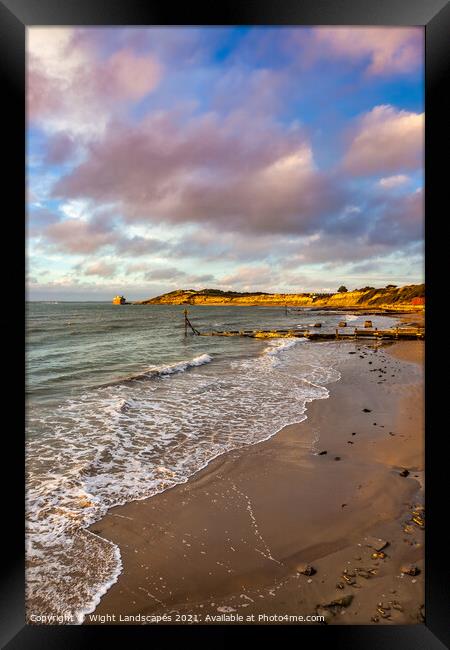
(244, 158)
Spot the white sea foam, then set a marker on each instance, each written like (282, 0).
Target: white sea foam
(281, 345)
(133, 439)
(163, 370)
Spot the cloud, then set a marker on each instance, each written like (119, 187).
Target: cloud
(386, 140)
(175, 275)
(384, 50)
(71, 88)
(75, 236)
(60, 148)
(191, 156)
(136, 246)
(235, 173)
(393, 181)
(39, 219)
(399, 221)
(102, 269)
(167, 273)
(251, 278)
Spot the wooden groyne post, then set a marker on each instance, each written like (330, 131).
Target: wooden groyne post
(187, 323)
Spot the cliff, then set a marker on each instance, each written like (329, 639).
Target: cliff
(368, 297)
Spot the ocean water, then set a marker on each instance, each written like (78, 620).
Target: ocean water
(121, 406)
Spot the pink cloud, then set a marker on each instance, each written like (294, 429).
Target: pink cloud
(76, 236)
(238, 172)
(391, 182)
(102, 269)
(386, 140)
(387, 50)
(70, 87)
(61, 147)
(401, 220)
(128, 76)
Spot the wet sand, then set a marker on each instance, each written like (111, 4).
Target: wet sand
(229, 542)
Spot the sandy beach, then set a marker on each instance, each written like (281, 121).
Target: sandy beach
(233, 541)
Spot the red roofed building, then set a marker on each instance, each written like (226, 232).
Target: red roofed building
(418, 301)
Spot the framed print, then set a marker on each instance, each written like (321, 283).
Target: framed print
(227, 268)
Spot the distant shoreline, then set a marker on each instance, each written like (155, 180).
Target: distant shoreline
(407, 298)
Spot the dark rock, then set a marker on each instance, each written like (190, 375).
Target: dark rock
(337, 458)
(367, 410)
(410, 569)
(404, 472)
(345, 601)
(306, 569)
(322, 453)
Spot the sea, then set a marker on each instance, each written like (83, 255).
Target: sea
(121, 405)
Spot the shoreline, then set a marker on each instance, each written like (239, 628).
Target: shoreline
(230, 539)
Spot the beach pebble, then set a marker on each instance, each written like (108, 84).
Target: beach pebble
(225, 609)
(345, 601)
(410, 569)
(306, 569)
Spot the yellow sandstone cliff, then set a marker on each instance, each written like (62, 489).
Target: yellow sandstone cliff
(403, 298)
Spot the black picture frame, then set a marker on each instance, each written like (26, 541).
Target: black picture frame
(15, 16)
